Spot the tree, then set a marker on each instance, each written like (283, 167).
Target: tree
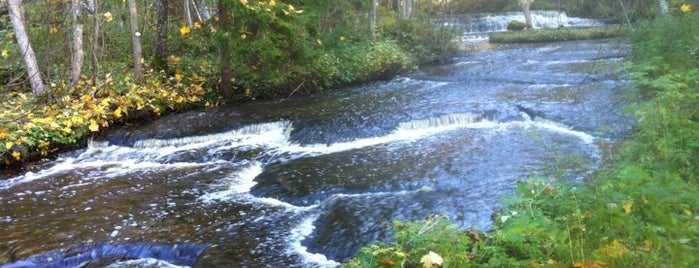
(15, 8)
(161, 34)
(188, 12)
(526, 4)
(204, 11)
(372, 19)
(663, 8)
(225, 86)
(136, 40)
(405, 9)
(94, 9)
(77, 57)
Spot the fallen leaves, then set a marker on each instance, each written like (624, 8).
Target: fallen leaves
(32, 127)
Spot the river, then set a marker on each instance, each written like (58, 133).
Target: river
(306, 181)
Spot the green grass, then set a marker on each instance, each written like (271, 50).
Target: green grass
(558, 35)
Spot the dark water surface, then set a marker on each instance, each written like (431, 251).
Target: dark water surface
(305, 182)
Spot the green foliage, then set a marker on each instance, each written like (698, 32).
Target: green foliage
(557, 35)
(667, 78)
(516, 26)
(413, 240)
(424, 39)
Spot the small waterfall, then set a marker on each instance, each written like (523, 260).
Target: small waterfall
(497, 22)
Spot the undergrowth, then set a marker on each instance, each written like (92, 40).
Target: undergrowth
(640, 212)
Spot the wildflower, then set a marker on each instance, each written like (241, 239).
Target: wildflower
(319, 42)
(197, 25)
(342, 38)
(5, 52)
(185, 30)
(244, 2)
(108, 16)
(272, 3)
(178, 77)
(53, 30)
(16, 155)
(685, 8)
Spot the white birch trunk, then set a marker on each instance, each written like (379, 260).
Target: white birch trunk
(15, 8)
(136, 41)
(526, 4)
(76, 63)
(372, 19)
(188, 13)
(663, 8)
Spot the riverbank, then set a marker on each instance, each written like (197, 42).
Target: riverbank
(36, 129)
(277, 51)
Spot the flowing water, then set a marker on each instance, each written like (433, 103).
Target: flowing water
(306, 181)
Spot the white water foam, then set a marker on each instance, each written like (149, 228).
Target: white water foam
(236, 183)
(147, 262)
(244, 133)
(298, 234)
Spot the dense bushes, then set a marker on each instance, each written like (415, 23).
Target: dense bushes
(640, 212)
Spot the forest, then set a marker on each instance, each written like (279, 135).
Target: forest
(72, 69)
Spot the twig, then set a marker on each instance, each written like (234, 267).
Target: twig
(303, 83)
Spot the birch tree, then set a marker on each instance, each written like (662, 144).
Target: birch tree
(372, 19)
(526, 4)
(15, 9)
(188, 13)
(77, 57)
(663, 8)
(136, 41)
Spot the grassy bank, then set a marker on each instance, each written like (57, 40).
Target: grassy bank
(558, 35)
(639, 212)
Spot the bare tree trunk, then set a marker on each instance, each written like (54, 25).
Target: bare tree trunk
(94, 6)
(372, 19)
(15, 8)
(408, 9)
(526, 4)
(204, 10)
(136, 40)
(161, 38)
(188, 13)
(76, 63)
(663, 8)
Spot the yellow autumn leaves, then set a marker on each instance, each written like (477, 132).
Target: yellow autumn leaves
(31, 127)
(685, 8)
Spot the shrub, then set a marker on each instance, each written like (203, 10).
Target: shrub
(516, 26)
